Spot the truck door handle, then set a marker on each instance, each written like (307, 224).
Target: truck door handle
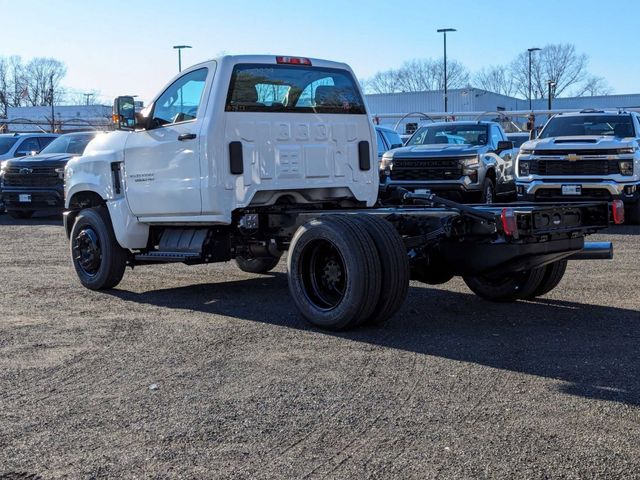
(186, 136)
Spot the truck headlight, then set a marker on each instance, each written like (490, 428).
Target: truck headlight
(523, 168)
(471, 161)
(385, 164)
(525, 151)
(626, 150)
(626, 167)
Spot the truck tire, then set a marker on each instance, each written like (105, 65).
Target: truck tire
(506, 288)
(394, 262)
(488, 191)
(632, 214)
(20, 214)
(334, 272)
(97, 257)
(553, 274)
(257, 264)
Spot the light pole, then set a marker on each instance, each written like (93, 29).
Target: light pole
(179, 48)
(530, 50)
(551, 85)
(444, 32)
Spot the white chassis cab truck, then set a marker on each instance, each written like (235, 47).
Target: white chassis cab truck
(246, 157)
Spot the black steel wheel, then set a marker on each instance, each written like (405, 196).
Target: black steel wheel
(334, 272)
(98, 259)
(507, 287)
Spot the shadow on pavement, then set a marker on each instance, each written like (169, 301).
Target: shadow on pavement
(595, 349)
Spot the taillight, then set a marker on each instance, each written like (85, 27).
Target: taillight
(293, 60)
(617, 209)
(509, 222)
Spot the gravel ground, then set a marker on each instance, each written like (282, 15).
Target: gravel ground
(207, 372)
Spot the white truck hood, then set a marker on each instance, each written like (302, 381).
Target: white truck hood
(577, 143)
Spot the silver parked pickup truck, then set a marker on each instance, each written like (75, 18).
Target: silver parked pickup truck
(588, 155)
(465, 161)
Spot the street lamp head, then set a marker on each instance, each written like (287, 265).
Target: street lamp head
(444, 30)
(534, 49)
(182, 46)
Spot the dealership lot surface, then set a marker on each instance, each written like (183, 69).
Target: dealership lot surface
(451, 387)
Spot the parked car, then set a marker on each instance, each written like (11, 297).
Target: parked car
(22, 144)
(387, 139)
(463, 160)
(587, 155)
(36, 183)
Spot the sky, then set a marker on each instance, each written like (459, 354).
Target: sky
(125, 47)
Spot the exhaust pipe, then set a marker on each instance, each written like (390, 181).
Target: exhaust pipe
(594, 251)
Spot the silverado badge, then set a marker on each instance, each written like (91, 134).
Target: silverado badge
(24, 171)
(572, 157)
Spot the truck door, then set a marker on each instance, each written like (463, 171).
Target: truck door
(162, 165)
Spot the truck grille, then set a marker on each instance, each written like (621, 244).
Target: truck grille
(31, 177)
(579, 167)
(421, 169)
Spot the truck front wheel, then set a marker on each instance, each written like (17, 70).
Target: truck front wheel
(506, 288)
(97, 257)
(334, 272)
(257, 264)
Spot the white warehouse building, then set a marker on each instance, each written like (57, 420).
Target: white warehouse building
(390, 107)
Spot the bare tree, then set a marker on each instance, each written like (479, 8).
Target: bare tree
(559, 63)
(496, 78)
(42, 79)
(418, 75)
(382, 82)
(593, 86)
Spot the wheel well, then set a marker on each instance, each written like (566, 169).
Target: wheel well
(79, 201)
(82, 200)
(491, 173)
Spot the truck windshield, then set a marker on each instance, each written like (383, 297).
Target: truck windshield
(6, 143)
(450, 134)
(74, 144)
(577, 126)
(293, 88)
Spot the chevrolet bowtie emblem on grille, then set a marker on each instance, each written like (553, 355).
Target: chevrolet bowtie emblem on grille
(26, 170)
(572, 157)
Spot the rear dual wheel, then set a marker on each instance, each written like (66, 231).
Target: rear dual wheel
(527, 284)
(346, 270)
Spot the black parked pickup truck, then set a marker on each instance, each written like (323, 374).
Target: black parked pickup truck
(464, 161)
(36, 183)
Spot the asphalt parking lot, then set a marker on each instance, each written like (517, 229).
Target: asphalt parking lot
(207, 372)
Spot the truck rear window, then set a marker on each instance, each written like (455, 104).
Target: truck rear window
(293, 88)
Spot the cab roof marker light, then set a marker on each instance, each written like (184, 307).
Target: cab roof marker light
(509, 222)
(293, 60)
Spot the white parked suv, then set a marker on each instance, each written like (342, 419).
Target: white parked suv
(587, 155)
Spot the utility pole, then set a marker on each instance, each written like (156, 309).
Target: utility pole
(179, 48)
(530, 50)
(87, 96)
(53, 118)
(444, 31)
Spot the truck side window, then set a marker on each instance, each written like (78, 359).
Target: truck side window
(495, 136)
(27, 146)
(382, 147)
(181, 100)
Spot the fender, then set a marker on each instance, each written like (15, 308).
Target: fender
(92, 172)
